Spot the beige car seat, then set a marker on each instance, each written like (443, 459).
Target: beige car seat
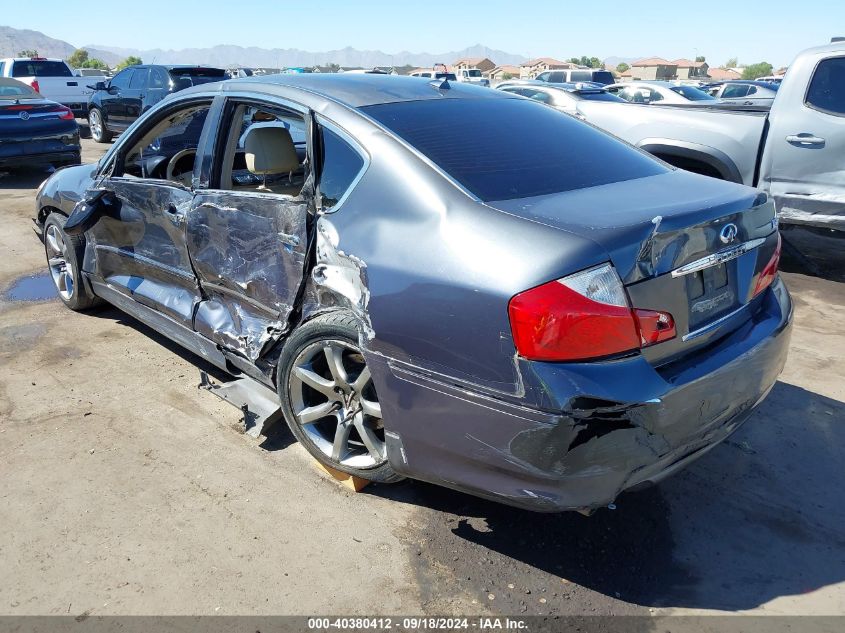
(270, 151)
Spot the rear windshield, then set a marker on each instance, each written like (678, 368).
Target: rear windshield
(603, 77)
(600, 95)
(11, 89)
(40, 68)
(198, 75)
(693, 94)
(504, 148)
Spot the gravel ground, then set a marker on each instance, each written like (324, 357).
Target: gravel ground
(126, 490)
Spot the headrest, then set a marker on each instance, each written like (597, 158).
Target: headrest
(270, 150)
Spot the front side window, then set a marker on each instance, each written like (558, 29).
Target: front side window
(341, 165)
(121, 79)
(505, 148)
(544, 77)
(167, 151)
(827, 88)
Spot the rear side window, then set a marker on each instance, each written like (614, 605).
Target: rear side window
(581, 75)
(827, 88)
(159, 78)
(603, 77)
(505, 148)
(734, 91)
(40, 68)
(187, 77)
(341, 165)
(139, 79)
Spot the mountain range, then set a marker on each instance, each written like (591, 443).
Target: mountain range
(12, 41)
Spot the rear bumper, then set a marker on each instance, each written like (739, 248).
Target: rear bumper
(625, 422)
(69, 157)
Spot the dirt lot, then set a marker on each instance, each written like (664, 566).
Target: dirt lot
(126, 490)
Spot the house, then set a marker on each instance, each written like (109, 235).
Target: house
(652, 68)
(690, 70)
(502, 73)
(628, 75)
(533, 67)
(482, 63)
(723, 74)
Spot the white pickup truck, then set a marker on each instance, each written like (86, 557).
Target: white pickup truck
(53, 78)
(795, 150)
(471, 76)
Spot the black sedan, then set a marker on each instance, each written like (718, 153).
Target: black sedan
(436, 280)
(34, 130)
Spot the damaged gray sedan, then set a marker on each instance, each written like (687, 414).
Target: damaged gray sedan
(437, 281)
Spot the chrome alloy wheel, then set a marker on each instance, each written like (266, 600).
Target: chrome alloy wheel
(57, 260)
(335, 403)
(95, 123)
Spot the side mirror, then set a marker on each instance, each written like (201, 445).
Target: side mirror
(100, 85)
(89, 210)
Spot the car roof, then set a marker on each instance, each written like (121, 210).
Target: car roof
(187, 66)
(356, 90)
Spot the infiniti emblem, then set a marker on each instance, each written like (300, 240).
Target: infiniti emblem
(728, 233)
(24, 115)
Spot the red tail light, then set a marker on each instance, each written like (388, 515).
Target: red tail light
(66, 114)
(768, 274)
(583, 316)
(34, 85)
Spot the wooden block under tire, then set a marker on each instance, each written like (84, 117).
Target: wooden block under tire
(355, 484)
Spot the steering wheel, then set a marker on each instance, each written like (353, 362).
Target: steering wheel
(184, 177)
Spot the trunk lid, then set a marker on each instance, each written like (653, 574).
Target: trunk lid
(682, 243)
(22, 118)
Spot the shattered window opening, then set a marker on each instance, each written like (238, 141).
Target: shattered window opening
(265, 152)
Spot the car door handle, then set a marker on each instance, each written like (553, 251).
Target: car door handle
(804, 139)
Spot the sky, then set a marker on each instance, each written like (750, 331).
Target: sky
(751, 30)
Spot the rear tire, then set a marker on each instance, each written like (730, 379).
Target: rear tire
(329, 400)
(97, 126)
(64, 260)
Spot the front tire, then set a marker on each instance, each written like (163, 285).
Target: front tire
(97, 126)
(64, 259)
(329, 399)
